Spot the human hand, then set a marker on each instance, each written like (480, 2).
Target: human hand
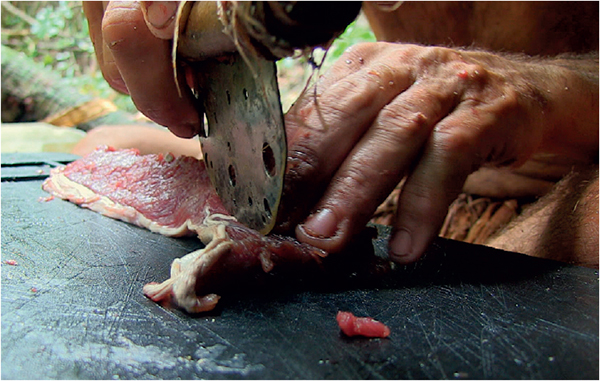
(386, 111)
(133, 48)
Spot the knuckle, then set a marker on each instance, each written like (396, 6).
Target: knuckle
(477, 72)
(432, 57)
(396, 127)
(510, 100)
(353, 181)
(303, 161)
(359, 50)
(457, 140)
(353, 189)
(341, 102)
(421, 201)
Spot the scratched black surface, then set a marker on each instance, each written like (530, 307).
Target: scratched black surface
(72, 307)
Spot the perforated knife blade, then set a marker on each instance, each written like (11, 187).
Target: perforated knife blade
(244, 141)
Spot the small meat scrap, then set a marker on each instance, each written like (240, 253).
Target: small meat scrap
(11, 262)
(361, 326)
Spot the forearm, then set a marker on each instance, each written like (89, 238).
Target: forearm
(562, 97)
(568, 90)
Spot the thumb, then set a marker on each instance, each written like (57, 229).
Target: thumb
(160, 17)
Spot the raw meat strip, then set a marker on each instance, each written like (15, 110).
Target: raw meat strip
(361, 326)
(174, 197)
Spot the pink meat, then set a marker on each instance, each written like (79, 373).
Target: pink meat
(361, 326)
(174, 197)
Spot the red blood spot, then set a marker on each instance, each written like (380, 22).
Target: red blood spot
(463, 74)
(361, 326)
(33, 289)
(11, 262)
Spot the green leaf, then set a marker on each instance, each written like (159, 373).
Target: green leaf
(48, 60)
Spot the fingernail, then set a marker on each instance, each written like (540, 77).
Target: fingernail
(160, 13)
(400, 245)
(185, 129)
(322, 224)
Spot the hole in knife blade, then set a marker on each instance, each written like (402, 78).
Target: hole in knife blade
(205, 129)
(267, 210)
(269, 159)
(245, 94)
(250, 201)
(228, 97)
(195, 93)
(232, 179)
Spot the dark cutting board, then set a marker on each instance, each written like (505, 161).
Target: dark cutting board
(73, 307)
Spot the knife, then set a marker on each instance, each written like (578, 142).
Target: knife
(243, 139)
(244, 142)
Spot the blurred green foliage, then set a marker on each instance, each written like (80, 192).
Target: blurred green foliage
(56, 34)
(295, 74)
(358, 31)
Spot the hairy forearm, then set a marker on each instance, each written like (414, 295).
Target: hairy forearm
(563, 91)
(571, 85)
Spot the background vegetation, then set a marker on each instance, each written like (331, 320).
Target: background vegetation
(55, 33)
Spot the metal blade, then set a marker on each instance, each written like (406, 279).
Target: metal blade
(244, 143)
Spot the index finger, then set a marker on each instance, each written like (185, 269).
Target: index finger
(145, 62)
(94, 12)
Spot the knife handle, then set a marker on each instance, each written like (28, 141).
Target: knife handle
(272, 29)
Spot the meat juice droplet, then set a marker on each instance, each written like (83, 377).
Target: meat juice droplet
(463, 74)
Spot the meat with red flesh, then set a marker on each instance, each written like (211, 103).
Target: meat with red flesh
(174, 197)
(361, 326)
